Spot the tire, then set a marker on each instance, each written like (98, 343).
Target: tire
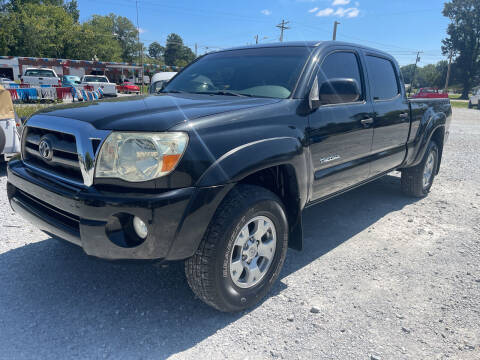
(413, 181)
(209, 272)
(470, 105)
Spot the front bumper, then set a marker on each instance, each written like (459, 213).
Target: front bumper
(176, 219)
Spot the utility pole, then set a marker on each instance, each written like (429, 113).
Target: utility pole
(196, 50)
(282, 26)
(335, 24)
(256, 39)
(140, 49)
(414, 71)
(448, 71)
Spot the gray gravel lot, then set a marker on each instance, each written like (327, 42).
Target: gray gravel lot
(391, 277)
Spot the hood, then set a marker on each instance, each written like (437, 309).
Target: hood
(154, 112)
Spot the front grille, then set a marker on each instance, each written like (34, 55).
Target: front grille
(64, 160)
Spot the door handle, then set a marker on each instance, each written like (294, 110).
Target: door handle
(404, 115)
(367, 122)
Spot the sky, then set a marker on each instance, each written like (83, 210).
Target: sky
(400, 27)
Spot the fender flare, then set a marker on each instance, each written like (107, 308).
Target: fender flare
(252, 157)
(434, 123)
(249, 158)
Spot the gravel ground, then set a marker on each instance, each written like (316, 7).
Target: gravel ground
(382, 276)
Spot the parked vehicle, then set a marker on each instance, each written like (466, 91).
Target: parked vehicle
(218, 168)
(9, 121)
(128, 88)
(100, 81)
(70, 80)
(474, 99)
(6, 82)
(159, 80)
(40, 76)
(430, 93)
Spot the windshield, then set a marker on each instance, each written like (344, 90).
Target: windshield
(38, 72)
(72, 78)
(96, 79)
(260, 72)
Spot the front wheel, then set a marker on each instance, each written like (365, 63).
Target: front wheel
(470, 105)
(417, 181)
(242, 252)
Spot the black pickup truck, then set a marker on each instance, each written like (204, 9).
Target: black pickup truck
(217, 167)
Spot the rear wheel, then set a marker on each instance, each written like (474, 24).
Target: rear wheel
(470, 105)
(417, 180)
(242, 252)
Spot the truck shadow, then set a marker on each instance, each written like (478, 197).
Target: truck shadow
(56, 299)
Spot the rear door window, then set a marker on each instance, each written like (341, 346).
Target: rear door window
(383, 78)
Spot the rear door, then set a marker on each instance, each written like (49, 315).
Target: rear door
(392, 116)
(340, 135)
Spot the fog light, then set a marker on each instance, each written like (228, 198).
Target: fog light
(140, 227)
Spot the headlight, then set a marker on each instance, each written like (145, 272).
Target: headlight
(140, 156)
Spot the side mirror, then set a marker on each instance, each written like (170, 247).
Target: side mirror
(338, 91)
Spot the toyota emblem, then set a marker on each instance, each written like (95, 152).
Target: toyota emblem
(45, 149)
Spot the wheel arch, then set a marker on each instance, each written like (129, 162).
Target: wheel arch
(277, 164)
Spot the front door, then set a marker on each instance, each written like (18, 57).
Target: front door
(340, 135)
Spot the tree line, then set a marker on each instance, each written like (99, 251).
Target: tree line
(51, 29)
(462, 44)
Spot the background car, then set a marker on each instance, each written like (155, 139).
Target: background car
(6, 82)
(159, 80)
(40, 76)
(430, 93)
(475, 99)
(100, 81)
(128, 88)
(70, 80)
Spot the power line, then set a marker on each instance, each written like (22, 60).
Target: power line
(282, 26)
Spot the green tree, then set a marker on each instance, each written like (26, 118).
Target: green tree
(72, 8)
(97, 39)
(155, 50)
(176, 53)
(464, 39)
(127, 34)
(407, 72)
(173, 49)
(38, 30)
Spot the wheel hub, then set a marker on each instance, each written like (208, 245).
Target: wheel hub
(253, 252)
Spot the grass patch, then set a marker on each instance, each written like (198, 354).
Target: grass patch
(454, 96)
(459, 104)
(24, 111)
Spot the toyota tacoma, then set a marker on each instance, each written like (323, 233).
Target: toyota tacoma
(217, 167)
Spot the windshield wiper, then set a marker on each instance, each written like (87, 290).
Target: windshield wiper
(224, 92)
(172, 92)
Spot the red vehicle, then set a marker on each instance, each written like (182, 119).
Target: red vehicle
(128, 88)
(430, 93)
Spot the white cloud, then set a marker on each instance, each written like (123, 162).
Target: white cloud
(357, 4)
(266, 12)
(349, 12)
(325, 12)
(353, 13)
(340, 2)
(313, 10)
(142, 31)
